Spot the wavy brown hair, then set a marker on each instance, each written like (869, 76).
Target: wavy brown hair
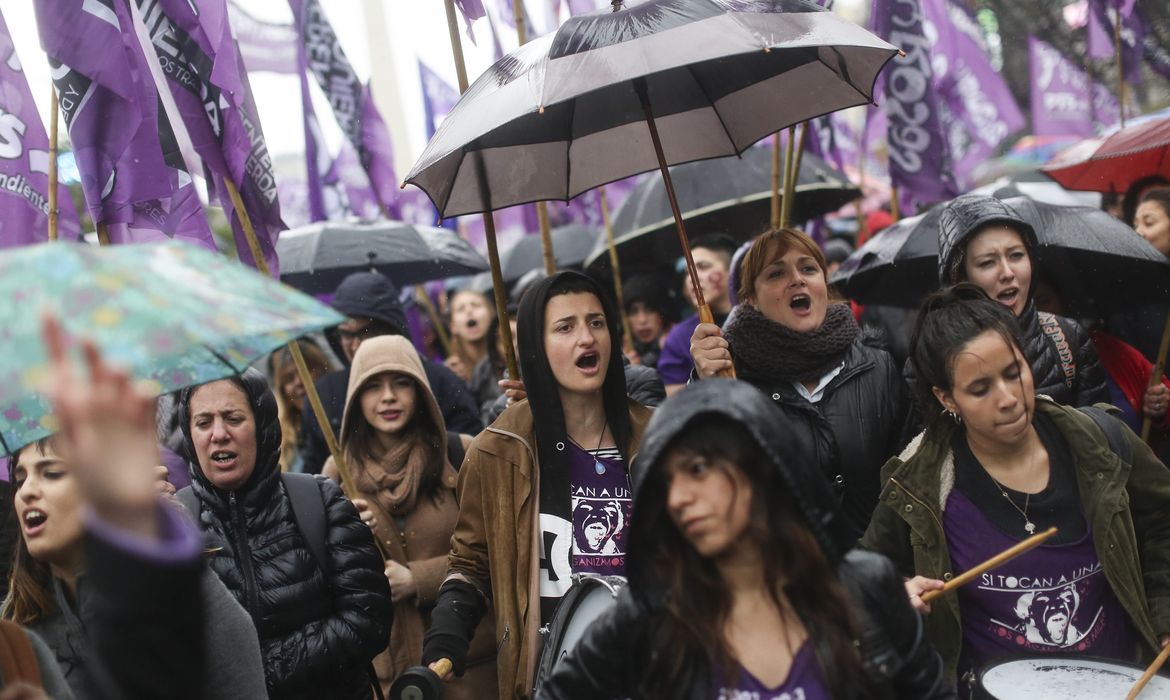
(30, 585)
(686, 633)
(282, 368)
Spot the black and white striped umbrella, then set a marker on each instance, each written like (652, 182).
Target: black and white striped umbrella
(569, 111)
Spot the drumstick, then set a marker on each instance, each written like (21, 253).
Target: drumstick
(1161, 659)
(441, 667)
(1001, 558)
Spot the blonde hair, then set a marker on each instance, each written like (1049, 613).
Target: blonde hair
(289, 412)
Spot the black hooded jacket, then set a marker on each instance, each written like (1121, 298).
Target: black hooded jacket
(373, 295)
(1069, 371)
(318, 630)
(607, 661)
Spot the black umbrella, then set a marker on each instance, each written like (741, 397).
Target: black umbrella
(725, 195)
(317, 257)
(1095, 263)
(572, 244)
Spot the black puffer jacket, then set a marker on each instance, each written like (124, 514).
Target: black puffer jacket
(607, 661)
(1068, 372)
(318, 630)
(859, 423)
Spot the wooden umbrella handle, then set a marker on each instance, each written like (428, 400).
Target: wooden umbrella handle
(1153, 668)
(441, 667)
(999, 559)
(706, 316)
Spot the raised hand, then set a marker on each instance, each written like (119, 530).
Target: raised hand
(108, 427)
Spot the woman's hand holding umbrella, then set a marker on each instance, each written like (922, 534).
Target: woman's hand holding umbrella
(1156, 402)
(109, 425)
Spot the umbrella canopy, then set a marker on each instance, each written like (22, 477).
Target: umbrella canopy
(1114, 163)
(1095, 263)
(725, 195)
(317, 257)
(568, 111)
(171, 314)
(571, 244)
(1040, 187)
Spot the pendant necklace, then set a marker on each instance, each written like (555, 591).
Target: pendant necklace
(1029, 526)
(598, 467)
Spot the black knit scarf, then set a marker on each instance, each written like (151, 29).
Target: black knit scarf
(763, 348)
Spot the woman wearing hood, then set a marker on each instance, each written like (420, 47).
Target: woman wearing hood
(532, 478)
(320, 623)
(984, 241)
(808, 354)
(396, 447)
(742, 582)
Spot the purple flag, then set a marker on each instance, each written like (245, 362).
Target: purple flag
(24, 161)
(348, 187)
(1064, 100)
(353, 104)
(978, 111)
(1133, 35)
(471, 11)
(206, 77)
(131, 172)
(316, 158)
(920, 161)
(265, 46)
(439, 97)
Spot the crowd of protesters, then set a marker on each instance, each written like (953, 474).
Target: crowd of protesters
(771, 536)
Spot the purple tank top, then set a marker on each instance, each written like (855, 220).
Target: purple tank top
(805, 682)
(1052, 599)
(599, 486)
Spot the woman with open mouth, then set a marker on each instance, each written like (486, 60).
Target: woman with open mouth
(808, 354)
(471, 317)
(528, 476)
(996, 464)
(743, 580)
(322, 609)
(404, 463)
(984, 241)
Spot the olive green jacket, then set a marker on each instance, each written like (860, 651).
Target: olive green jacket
(1124, 504)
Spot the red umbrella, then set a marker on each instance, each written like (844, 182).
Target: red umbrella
(1114, 163)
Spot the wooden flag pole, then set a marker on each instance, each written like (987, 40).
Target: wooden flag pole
(53, 110)
(786, 202)
(489, 224)
(615, 264)
(103, 233)
(776, 180)
(347, 482)
(420, 294)
(546, 243)
(1120, 60)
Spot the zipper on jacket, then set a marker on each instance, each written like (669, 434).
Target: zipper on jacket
(251, 596)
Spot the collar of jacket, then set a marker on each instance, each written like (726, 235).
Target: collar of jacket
(857, 361)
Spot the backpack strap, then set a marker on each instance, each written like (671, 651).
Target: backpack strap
(18, 660)
(1050, 324)
(455, 450)
(1114, 432)
(304, 494)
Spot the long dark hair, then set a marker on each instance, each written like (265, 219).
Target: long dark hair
(30, 586)
(543, 395)
(947, 321)
(687, 634)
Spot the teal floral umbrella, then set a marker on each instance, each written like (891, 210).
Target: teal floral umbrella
(170, 314)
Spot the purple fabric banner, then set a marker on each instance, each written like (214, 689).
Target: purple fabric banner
(352, 104)
(206, 77)
(24, 161)
(348, 186)
(920, 160)
(316, 158)
(266, 46)
(439, 97)
(131, 172)
(978, 111)
(1133, 35)
(471, 11)
(1064, 100)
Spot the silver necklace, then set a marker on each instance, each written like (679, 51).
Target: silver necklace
(598, 467)
(1029, 526)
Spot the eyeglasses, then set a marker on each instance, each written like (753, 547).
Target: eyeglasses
(370, 330)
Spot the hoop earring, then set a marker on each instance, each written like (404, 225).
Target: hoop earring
(954, 416)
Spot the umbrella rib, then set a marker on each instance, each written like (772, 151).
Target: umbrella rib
(222, 359)
(723, 124)
(4, 444)
(569, 149)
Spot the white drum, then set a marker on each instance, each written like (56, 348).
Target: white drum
(1067, 678)
(586, 600)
